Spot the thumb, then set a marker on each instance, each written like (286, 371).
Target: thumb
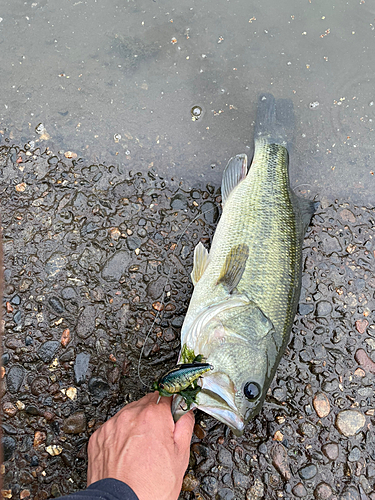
(184, 430)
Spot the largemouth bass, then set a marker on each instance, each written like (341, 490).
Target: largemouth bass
(246, 289)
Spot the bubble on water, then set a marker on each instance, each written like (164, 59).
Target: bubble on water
(196, 112)
(314, 105)
(39, 129)
(371, 103)
(117, 137)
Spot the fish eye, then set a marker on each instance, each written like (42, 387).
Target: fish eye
(252, 391)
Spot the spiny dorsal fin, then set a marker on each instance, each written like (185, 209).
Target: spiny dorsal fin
(234, 172)
(200, 263)
(234, 267)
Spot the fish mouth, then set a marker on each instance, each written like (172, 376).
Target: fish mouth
(217, 399)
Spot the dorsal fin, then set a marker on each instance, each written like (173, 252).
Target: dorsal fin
(234, 172)
(200, 263)
(307, 208)
(234, 267)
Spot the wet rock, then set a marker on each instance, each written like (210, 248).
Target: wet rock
(210, 212)
(55, 491)
(54, 265)
(15, 378)
(299, 490)
(330, 244)
(199, 431)
(67, 356)
(28, 340)
(361, 325)
(323, 491)
(179, 202)
(350, 493)
(75, 424)
(177, 321)
(65, 337)
(321, 405)
(39, 438)
(98, 388)
(133, 242)
(5, 359)
(256, 492)
(330, 385)
(308, 471)
(9, 446)
(155, 288)
(190, 482)
(347, 216)
(86, 322)
(56, 304)
(17, 317)
(39, 386)
(354, 455)
(331, 450)
(363, 359)
(9, 409)
(349, 422)
(224, 457)
(209, 485)
(47, 350)
(280, 460)
(323, 308)
(240, 479)
(225, 494)
(80, 367)
(304, 309)
(116, 266)
(307, 430)
(16, 300)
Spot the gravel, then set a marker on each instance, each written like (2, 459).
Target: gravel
(76, 261)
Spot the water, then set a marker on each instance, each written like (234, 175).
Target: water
(116, 82)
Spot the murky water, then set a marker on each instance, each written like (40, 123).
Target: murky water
(115, 82)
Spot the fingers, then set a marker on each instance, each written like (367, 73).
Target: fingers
(184, 430)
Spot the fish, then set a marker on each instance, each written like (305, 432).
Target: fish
(247, 287)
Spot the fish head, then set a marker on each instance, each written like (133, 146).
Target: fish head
(240, 342)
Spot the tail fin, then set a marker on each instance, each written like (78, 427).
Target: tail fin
(275, 120)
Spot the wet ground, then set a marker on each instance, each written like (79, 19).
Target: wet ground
(88, 251)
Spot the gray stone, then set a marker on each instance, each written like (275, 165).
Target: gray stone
(240, 479)
(225, 494)
(47, 350)
(98, 388)
(323, 491)
(323, 308)
(308, 471)
(15, 378)
(350, 493)
(354, 455)
(299, 490)
(9, 446)
(86, 322)
(80, 367)
(209, 485)
(331, 450)
(225, 457)
(116, 266)
(349, 422)
(133, 242)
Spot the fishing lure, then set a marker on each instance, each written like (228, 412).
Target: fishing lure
(183, 380)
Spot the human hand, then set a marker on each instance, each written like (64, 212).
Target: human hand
(143, 447)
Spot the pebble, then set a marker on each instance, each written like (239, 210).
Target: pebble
(239, 479)
(65, 337)
(308, 471)
(209, 485)
(81, 366)
(98, 388)
(305, 309)
(347, 215)
(225, 494)
(299, 490)
(56, 304)
(256, 492)
(16, 300)
(349, 422)
(39, 438)
(363, 359)
(54, 450)
(133, 242)
(351, 493)
(86, 322)
(331, 450)
(9, 446)
(190, 482)
(5, 358)
(116, 266)
(47, 350)
(179, 202)
(9, 409)
(323, 491)
(199, 431)
(75, 424)
(323, 308)
(55, 264)
(321, 405)
(361, 325)
(354, 455)
(15, 378)
(280, 460)
(224, 457)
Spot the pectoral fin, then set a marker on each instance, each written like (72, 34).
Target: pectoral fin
(234, 267)
(200, 263)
